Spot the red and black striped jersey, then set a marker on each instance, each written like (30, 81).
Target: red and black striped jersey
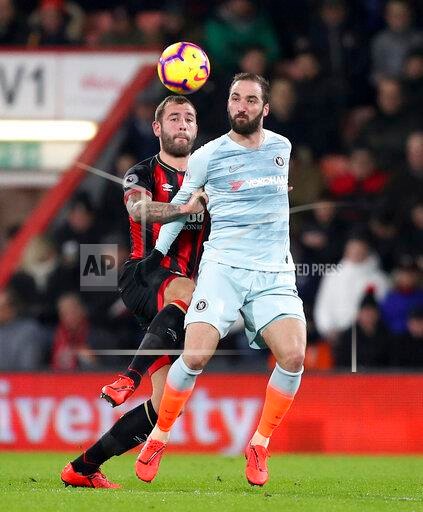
(162, 182)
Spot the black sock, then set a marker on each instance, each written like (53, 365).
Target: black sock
(129, 431)
(166, 331)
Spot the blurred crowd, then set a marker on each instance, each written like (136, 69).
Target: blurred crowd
(346, 89)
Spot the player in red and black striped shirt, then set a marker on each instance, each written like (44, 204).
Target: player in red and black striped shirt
(159, 182)
(160, 298)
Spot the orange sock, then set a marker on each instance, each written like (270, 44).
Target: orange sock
(276, 405)
(172, 403)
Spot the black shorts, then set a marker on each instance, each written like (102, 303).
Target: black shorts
(144, 301)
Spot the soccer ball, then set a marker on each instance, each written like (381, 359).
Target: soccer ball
(183, 68)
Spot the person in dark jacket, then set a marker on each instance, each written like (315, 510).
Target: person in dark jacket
(368, 338)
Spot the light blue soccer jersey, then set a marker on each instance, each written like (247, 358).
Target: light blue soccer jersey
(248, 203)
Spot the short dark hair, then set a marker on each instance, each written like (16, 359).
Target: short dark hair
(179, 100)
(252, 77)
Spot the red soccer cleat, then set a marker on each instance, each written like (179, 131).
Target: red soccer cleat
(97, 480)
(256, 470)
(147, 464)
(119, 391)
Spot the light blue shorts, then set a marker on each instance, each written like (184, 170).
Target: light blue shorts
(222, 292)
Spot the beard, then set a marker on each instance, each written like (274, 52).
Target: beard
(243, 126)
(176, 148)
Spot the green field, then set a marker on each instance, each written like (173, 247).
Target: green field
(188, 483)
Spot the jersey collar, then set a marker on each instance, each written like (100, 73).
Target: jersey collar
(167, 166)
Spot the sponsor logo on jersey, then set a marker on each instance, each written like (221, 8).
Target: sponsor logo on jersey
(201, 305)
(236, 185)
(278, 180)
(130, 180)
(167, 187)
(234, 168)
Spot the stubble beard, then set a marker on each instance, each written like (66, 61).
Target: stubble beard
(176, 149)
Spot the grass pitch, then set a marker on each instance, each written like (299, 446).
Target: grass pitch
(188, 483)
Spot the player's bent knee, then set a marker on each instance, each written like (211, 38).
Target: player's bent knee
(180, 288)
(293, 360)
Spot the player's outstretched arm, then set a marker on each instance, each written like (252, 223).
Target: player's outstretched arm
(194, 180)
(142, 209)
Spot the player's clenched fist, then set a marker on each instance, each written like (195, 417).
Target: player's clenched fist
(197, 203)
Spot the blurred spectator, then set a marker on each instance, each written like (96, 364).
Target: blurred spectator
(140, 140)
(405, 296)
(56, 23)
(64, 278)
(406, 187)
(254, 60)
(304, 177)
(23, 342)
(112, 214)
(152, 25)
(71, 341)
(321, 241)
(370, 336)
(123, 30)
(411, 240)
(386, 132)
(25, 288)
(341, 50)
(284, 117)
(177, 26)
(390, 46)
(79, 227)
(39, 261)
(341, 290)
(407, 350)
(413, 79)
(13, 30)
(361, 184)
(97, 24)
(322, 234)
(317, 105)
(362, 178)
(384, 231)
(235, 27)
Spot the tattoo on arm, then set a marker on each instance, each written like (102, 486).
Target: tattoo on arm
(161, 212)
(152, 211)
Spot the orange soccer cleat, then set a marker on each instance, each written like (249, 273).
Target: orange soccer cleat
(119, 391)
(256, 470)
(148, 461)
(96, 480)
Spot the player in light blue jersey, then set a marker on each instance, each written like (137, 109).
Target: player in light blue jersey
(246, 268)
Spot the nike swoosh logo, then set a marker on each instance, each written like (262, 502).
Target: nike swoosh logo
(234, 168)
(199, 78)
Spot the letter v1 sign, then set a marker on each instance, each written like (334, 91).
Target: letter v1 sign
(98, 267)
(28, 86)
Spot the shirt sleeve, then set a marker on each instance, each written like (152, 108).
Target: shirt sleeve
(195, 178)
(138, 176)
